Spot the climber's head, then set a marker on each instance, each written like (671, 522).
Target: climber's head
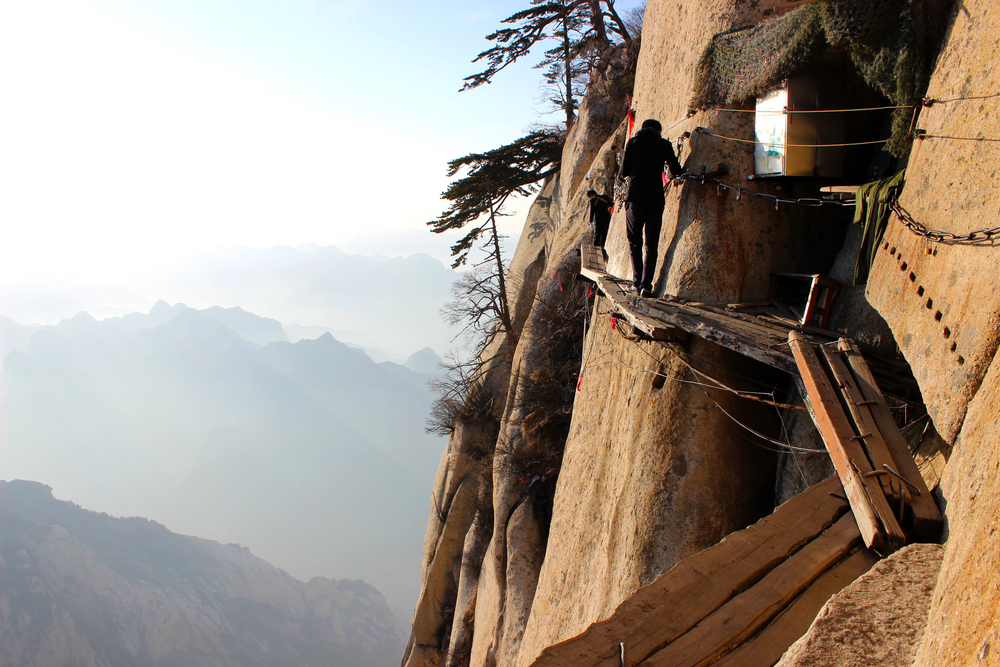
(652, 123)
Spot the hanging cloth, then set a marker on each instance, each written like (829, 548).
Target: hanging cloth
(871, 211)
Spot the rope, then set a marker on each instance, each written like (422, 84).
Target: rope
(693, 113)
(742, 394)
(774, 143)
(966, 77)
(938, 133)
(704, 387)
(761, 435)
(793, 111)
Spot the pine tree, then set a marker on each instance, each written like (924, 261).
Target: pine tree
(543, 21)
(478, 199)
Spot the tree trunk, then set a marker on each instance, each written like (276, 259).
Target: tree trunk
(505, 321)
(597, 20)
(569, 105)
(622, 30)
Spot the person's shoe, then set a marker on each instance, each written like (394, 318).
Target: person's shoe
(646, 293)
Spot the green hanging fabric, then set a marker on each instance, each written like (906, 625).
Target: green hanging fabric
(871, 210)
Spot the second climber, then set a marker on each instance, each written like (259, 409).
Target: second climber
(600, 217)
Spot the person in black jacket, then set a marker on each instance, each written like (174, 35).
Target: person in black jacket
(600, 216)
(645, 156)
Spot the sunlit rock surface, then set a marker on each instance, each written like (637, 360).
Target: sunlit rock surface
(651, 474)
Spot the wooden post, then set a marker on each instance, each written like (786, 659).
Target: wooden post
(811, 300)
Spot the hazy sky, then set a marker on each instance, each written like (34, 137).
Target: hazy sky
(135, 131)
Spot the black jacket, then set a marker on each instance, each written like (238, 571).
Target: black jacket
(645, 155)
(600, 208)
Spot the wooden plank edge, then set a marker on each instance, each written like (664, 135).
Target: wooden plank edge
(819, 507)
(766, 647)
(745, 614)
(626, 308)
(731, 341)
(772, 551)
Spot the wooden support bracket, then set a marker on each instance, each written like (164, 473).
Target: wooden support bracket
(875, 518)
(927, 519)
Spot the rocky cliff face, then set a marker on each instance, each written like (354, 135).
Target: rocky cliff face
(81, 588)
(537, 533)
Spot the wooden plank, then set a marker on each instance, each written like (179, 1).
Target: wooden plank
(927, 519)
(756, 342)
(785, 5)
(780, 316)
(592, 263)
(875, 519)
(707, 583)
(864, 424)
(766, 648)
(747, 613)
(748, 304)
(653, 328)
(701, 583)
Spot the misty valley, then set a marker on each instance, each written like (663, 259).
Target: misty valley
(307, 458)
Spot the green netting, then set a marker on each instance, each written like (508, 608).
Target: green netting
(891, 42)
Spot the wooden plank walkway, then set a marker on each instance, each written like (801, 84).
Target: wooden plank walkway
(763, 339)
(592, 266)
(745, 599)
(758, 330)
(839, 388)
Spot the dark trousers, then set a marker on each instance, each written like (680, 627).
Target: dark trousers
(640, 216)
(601, 224)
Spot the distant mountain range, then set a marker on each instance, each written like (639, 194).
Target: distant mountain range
(82, 588)
(379, 303)
(211, 423)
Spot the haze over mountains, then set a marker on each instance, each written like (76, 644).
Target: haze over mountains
(214, 424)
(82, 588)
(391, 304)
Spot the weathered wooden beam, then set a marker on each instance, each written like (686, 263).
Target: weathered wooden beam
(875, 518)
(697, 585)
(651, 327)
(710, 579)
(748, 612)
(927, 519)
(869, 435)
(766, 649)
(744, 338)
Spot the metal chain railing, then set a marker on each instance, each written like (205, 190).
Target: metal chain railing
(976, 237)
(757, 194)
